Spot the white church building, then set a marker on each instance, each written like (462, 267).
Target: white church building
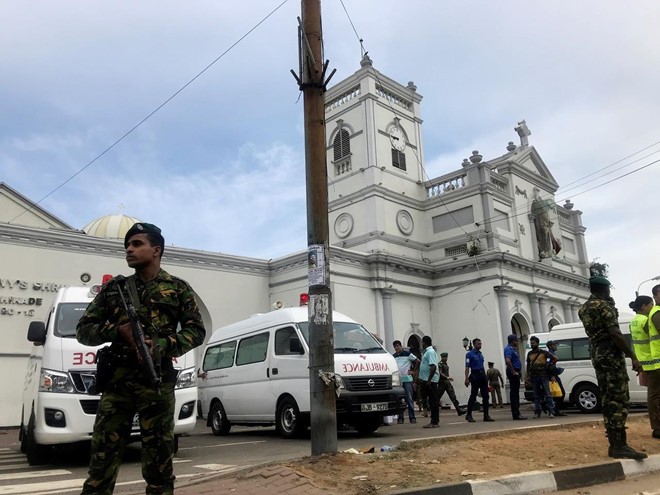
(482, 251)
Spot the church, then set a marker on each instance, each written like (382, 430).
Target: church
(481, 251)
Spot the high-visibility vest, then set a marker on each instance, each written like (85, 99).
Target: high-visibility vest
(641, 341)
(654, 342)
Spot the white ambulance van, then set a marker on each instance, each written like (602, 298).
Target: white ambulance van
(256, 372)
(58, 406)
(579, 376)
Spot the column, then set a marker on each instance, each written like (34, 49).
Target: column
(543, 312)
(502, 292)
(536, 314)
(575, 306)
(388, 322)
(568, 315)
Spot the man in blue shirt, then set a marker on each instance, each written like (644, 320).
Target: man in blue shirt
(555, 371)
(475, 375)
(404, 361)
(428, 378)
(513, 370)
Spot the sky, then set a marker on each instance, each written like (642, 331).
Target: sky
(220, 166)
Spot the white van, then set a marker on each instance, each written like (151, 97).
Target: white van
(579, 376)
(58, 406)
(256, 372)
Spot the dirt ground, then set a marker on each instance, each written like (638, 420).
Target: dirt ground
(452, 460)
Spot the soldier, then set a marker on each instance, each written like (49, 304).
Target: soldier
(600, 319)
(162, 302)
(495, 382)
(445, 385)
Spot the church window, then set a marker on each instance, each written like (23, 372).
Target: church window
(398, 159)
(342, 145)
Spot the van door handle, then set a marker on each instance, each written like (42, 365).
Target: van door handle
(275, 371)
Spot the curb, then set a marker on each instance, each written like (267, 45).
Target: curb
(545, 481)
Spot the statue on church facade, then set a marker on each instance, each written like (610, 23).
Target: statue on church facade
(542, 210)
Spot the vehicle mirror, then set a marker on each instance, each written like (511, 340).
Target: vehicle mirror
(295, 346)
(37, 332)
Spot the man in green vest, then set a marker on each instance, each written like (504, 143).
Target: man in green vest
(653, 375)
(607, 347)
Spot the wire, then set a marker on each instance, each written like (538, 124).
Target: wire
(136, 126)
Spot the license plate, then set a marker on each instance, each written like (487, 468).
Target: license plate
(375, 406)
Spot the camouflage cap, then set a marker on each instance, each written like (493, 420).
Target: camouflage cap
(599, 280)
(444, 354)
(141, 228)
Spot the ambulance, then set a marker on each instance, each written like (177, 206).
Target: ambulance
(59, 402)
(256, 372)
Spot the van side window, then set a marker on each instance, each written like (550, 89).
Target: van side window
(564, 350)
(252, 349)
(283, 341)
(219, 356)
(581, 349)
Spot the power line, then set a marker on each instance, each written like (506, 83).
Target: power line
(136, 126)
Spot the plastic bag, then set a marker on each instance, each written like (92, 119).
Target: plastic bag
(555, 389)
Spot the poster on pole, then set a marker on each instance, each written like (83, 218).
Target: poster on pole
(316, 265)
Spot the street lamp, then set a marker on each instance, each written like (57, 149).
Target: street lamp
(466, 344)
(649, 280)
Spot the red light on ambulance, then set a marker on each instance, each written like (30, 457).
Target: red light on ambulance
(106, 278)
(304, 299)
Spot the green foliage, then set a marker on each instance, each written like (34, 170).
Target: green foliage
(598, 269)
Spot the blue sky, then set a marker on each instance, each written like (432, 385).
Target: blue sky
(221, 166)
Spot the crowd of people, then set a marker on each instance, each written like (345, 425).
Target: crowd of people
(426, 378)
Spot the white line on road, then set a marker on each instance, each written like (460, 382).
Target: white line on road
(34, 488)
(9, 467)
(33, 474)
(216, 467)
(223, 445)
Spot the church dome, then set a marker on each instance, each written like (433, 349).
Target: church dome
(110, 226)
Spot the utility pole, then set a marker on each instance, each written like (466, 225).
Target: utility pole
(312, 83)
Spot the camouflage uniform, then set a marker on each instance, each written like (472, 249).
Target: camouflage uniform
(444, 385)
(165, 302)
(597, 316)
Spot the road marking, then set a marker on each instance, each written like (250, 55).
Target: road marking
(223, 445)
(216, 467)
(33, 474)
(7, 467)
(49, 486)
(178, 461)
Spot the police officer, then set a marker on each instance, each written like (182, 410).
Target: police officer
(475, 376)
(608, 346)
(162, 302)
(653, 375)
(495, 382)
(513, 370)
(445, 385)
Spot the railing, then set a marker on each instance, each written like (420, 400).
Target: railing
(343, 98)
(342, 166)
(499, 182)
(445, 184)
(456, 250)
(564, 217)
(393, 98)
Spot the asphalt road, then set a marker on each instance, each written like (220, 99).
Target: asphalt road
(202, 452)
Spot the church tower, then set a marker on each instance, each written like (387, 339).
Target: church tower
(375, 160)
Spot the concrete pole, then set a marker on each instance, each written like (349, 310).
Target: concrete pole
(323, 415)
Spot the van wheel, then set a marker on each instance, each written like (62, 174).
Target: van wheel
(367, 426)
(220, 425)
(587, 398)
(36, 454)
(289, 423)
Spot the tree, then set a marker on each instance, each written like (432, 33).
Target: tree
(598, 269)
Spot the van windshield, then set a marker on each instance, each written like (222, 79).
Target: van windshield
(349, 338)
(67, 317)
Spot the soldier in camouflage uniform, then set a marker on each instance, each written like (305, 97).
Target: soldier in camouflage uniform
(163, 302)
(444, 385)
(608, 346)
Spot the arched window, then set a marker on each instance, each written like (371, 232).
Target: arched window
(342, 145)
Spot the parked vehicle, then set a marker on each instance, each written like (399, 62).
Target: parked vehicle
(256, 372)
(59, 402)
(579, 376)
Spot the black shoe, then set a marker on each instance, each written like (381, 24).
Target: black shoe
(460, 411)
(431, 425)
(625, 452)
(519, 418)
(656, 434)
(412, 421)
(469, 419)
(557, 413)
(488, 419)
(400, 421)
(537, 414)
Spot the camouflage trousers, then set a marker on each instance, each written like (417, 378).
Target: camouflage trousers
(612, 379)
(446, 386)
(112, 430)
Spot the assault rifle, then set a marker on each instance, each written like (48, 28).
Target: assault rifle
(150, 367)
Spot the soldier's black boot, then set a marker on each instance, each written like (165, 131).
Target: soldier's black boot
(619, 448)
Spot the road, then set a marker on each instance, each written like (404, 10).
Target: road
(203, 453)
(646, 485)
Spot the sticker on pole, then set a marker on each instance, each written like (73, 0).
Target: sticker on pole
(319, 309)
(316, 265)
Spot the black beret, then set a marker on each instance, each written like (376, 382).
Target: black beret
(599, 280)
(141, 228)
(444, 354)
